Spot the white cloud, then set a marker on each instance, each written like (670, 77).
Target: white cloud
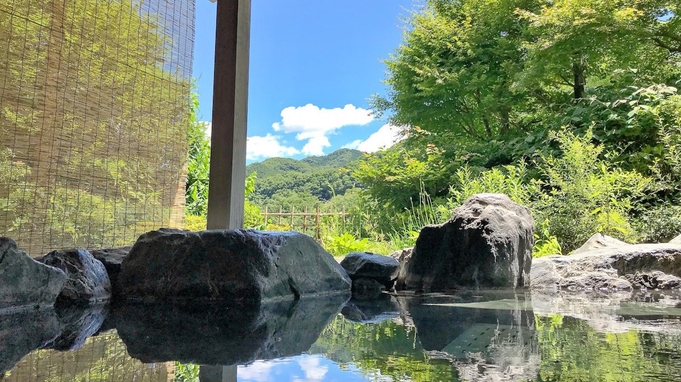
(258, 371)
(258, 147)
(312, 368)
(315, 124)
(385, 137)
(315, 146)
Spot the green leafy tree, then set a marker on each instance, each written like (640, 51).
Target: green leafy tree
(453, 76)
(570, 41)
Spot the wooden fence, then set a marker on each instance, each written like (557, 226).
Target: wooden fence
(303, 221)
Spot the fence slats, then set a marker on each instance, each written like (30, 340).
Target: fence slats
(299, 220)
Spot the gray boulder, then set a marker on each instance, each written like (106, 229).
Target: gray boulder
(402, 255)
(229, 265)
(621, 267)
(25, 282)
(112, 258)
(88, 280)
(599, 241)
(487, 243)
(370, 266)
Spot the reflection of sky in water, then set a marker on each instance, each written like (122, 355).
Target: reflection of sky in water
(308, 368)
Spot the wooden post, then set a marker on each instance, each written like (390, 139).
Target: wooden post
(265, 215)
(228, 138)
(230, 105)
(305, 221)
(318, 224)
(279, 217)
(292, 211)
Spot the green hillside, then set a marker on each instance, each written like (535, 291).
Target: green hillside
(305, 182)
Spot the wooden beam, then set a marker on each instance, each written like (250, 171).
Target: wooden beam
(230, 105)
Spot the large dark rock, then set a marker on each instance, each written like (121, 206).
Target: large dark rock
(487, 243)
(24, 332)
(229, 265)
(370, 266)
(215, 334)
(112, 258)
(88, 280)
(25, 282)
(77, 323)
(620, 267)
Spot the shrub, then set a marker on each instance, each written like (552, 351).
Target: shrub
(660, 224)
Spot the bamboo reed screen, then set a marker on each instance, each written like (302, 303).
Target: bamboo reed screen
(94, 107)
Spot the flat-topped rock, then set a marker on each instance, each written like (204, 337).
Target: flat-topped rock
(619, 267)
(231, 265)
(24, 282)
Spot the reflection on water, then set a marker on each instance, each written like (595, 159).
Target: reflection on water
(479, 336)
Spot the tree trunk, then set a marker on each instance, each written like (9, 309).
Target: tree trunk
(505, 119)
(578, 70)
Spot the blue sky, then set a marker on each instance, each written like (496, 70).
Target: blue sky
(314, 65)
(308, 368)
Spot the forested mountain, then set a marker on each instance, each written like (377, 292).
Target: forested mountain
(305, 182)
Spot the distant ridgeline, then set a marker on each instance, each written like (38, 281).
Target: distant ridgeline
(305, 182)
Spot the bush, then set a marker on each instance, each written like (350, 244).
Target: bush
(582, 194)
(659, 225)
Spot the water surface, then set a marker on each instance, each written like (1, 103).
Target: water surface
(473, 336)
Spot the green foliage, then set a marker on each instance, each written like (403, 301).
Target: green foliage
(513, 181)
(397, 176)
(572, 350)
(660, 224)
(452, 77)
(198, 165)
(583, 194)
(304, 183)
(195, 223)
(343, 244)
(387, 349)
(545, 244)
(186, 372)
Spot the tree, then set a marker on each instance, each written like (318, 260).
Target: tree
(453, 76)
(570, 41)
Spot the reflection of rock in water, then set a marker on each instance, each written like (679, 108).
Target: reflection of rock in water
(24, 332)
(223, 335)
(77, 324)
(371, 311)
(485, 341)
(613, 312)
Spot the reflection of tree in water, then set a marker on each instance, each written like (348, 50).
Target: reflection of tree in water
(102, 358)
(92, 127)
(573, 351)
(383, 349)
